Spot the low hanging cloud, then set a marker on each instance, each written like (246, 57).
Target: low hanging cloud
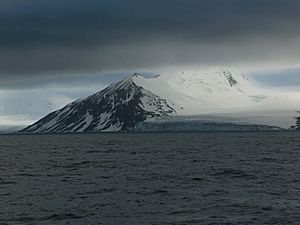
(42, 39)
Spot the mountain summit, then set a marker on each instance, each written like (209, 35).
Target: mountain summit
(214, 96)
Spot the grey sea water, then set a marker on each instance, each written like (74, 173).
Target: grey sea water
(176, 178)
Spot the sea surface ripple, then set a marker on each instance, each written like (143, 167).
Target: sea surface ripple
(162, 178)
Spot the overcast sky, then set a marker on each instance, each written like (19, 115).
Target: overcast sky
(74, 47)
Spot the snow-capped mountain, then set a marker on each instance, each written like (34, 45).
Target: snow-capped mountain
(220, 97)
(118, 107)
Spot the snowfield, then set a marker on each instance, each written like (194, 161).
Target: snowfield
(214, 94)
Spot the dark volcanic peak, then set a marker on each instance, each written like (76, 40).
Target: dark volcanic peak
(118, 107)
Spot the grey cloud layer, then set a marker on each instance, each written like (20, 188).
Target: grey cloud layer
(45, 37)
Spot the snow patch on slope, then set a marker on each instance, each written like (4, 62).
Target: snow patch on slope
(83, 125)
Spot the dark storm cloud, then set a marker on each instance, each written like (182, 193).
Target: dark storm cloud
(59, 37)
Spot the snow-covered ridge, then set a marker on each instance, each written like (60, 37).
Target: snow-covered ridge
(224, 93)
(194, 92)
